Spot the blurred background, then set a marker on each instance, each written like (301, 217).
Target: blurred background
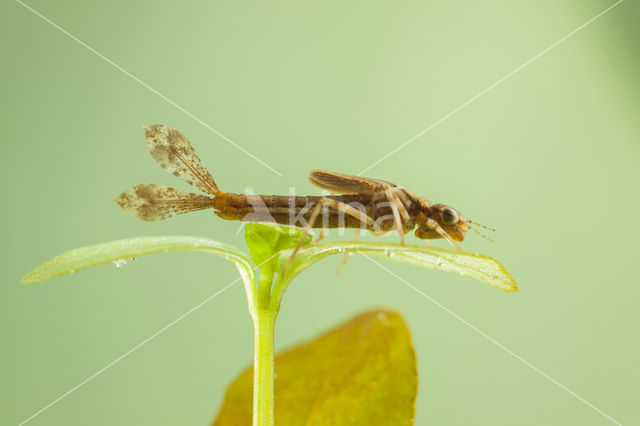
(549, 157)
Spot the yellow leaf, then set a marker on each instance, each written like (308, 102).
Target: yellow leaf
(362, 373)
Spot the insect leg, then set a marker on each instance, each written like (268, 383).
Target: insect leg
(323, 230)
(401, 205)
(323, 233)
(343, 207)
(394, 202)
(434, 225)
(345, 259)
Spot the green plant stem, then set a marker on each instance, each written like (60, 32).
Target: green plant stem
(264, 318)
(263, 378)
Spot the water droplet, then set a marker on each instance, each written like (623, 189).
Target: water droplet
(120, 262)
(441, 262)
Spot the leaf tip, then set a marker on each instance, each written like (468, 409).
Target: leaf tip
(511, 285)
(513, 288)
(29, 278)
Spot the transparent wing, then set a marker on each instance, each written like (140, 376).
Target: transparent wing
(154, 202)
(173, 152)
(340, 183)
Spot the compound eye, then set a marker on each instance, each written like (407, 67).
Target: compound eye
(449, 216)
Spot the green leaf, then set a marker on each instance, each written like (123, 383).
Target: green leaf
(124, 250)
(362, 373)
(471, 265)
(266, 240)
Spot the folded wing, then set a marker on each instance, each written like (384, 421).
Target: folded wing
(340, 183)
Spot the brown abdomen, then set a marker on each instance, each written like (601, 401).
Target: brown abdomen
(290, 210)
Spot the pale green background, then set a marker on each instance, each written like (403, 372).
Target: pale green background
(549, 157)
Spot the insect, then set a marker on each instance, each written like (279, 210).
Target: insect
(356, 202)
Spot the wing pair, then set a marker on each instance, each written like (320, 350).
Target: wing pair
(173, 152)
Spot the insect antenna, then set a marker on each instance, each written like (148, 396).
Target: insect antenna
(481, 234)
(481, 225)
